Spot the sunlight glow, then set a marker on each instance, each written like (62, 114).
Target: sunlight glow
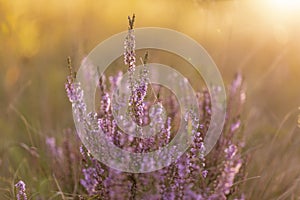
(285, 5)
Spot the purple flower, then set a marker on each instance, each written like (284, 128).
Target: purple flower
(129, 50)
(230, 151)
(54, 150)
(90, 181)
(21, 190)
(75, 94)
(204, 173)
(129, 46)
(192, 176)
(157, 115)
(115, 81)
(235, 126)
(232, 165)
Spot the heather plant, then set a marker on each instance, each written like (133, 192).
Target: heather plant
(193, 176)
(257, 38)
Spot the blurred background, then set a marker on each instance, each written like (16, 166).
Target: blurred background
(259, 38)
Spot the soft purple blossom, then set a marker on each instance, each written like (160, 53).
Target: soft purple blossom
(235, 126)
(115, 81)
(129, 47)
(21, 190)
(192, 176)
(75, 94)
(90, 181)
(53, 148)
(232, 165)
(129, 51)
(157, 115)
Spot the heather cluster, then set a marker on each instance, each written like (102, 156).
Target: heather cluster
(216, 176)
(193, 176)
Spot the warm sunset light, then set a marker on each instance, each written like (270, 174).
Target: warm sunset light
(150, 99)
(285, 5)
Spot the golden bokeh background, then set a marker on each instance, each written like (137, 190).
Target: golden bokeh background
(259, 38)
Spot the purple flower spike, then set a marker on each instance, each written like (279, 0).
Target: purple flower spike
(21, 190)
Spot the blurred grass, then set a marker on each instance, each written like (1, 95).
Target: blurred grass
(253, 37)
